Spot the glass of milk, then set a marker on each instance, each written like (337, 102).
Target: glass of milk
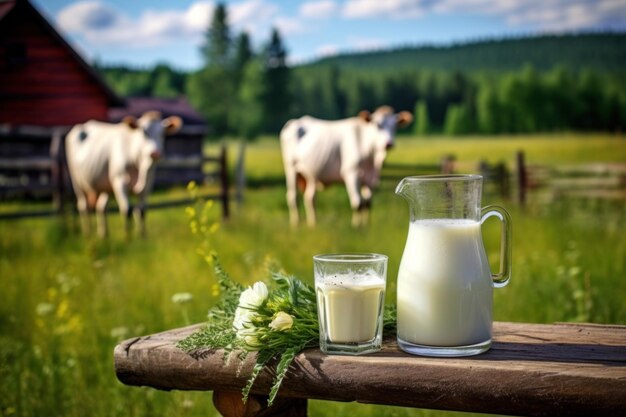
(445, 285)
(350, 301)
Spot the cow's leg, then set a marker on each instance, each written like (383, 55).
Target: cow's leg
(366, 204)
(139, 214)
(309, 201)
(292, 198)
(83, 211)
(101, 214)
(121, 196)
(351, 181)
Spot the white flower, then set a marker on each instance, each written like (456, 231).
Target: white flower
(254, 296)
(243, 319)
(43, 309)
(246, 330)
(119, 332)
(251, 340)
(182, 298)
(282, 321)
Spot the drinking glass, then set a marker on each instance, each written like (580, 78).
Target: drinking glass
(350, 292)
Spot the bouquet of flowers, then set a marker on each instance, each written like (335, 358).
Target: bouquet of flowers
(276, 323)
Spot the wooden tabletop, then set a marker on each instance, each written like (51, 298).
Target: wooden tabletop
(531, 369)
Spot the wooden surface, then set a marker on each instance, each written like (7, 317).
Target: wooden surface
(531, 369)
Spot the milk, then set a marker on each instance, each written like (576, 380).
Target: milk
(349, 308)
(444, 285)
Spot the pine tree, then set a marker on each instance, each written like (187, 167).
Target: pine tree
(212, 89)
(421, 118)
(250, 115)
(217, 47)
(277, 100)
(243, 54)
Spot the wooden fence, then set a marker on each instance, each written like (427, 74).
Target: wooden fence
(542, 182)
(37, 169)
(596, 180)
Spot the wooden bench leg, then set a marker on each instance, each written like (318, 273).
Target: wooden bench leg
(230, 404)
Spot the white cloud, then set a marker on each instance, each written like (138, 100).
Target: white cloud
(198, 15)
(318, 9)
(101, 24)
(563, 15)
(327, 50)
(365, 44)
(88, 16)
(289, 26)
(395, 9)
(253, 16)
(545, 15)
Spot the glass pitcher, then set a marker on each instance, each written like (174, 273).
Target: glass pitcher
(445, 285)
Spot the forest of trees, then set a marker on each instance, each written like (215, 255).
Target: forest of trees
(543, 84)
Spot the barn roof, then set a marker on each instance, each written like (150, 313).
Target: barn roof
(136, 106)
(8, 6)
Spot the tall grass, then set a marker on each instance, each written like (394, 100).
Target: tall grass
(67, 300)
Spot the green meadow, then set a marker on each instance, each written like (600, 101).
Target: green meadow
(67, 300)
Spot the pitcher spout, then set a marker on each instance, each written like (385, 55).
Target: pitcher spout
(402, 189)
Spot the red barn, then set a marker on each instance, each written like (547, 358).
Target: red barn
(43, 81)
(46, 87)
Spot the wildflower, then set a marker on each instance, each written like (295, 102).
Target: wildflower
(254, 296)
(245, 328)
(243, 319)
(193, 225)
(119, 332)
(574, 271)
(182, 298)
(191, 212)
(215, 289)
(281, 321)
(44, 309)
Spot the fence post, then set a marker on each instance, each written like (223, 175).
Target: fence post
(224, 183)
(240, 172)
(56, 170)
(522, 178)
(447, 164)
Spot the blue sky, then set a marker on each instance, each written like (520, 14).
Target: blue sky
(141, 33)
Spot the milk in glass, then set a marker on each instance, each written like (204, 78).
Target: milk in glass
(350, 292)
(444, 285)
(351, 308)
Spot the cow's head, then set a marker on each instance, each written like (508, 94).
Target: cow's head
(152, 129)
(379, 134)
(383, 124)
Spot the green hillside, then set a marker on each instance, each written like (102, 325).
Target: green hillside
(602, 51)
(521, 85)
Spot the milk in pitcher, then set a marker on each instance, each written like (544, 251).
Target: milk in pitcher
(444, 285)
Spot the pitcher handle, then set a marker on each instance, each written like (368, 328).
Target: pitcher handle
(501, 278)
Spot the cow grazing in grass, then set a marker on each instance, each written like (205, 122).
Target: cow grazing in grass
(120, 158)
(320, 152)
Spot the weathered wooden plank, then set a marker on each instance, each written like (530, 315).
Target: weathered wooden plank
(532, 369)
(35, 163)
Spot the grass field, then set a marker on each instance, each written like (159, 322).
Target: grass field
(67, 300)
